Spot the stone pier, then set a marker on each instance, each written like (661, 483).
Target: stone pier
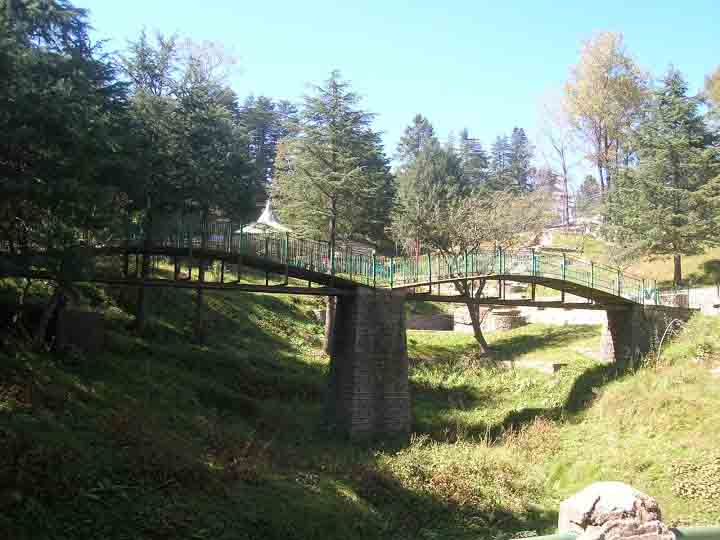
(368, 391)
(633, 332)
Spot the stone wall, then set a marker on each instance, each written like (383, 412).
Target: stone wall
(435, 321)
(563, 316)
(369, 391)
(499, 319)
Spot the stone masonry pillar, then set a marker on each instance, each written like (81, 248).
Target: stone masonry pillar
(633, 332)
(619, 339)
(368, 390)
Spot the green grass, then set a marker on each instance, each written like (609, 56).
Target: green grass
(660, 269)
(585, 246)
(162, 438)
(459, 393)
(693, 273)
(656, 430)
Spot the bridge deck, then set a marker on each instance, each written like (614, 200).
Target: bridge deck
(344, 269)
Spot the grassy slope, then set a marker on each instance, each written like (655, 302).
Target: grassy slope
(160, 438)
(656, 430)
(659, 269)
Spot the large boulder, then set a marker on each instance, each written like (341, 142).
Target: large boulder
(613, 511)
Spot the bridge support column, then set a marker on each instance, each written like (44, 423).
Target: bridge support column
(368, 391)
(633, 332)
(624, 335)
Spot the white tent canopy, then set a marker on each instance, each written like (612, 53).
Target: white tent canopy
(266, 223)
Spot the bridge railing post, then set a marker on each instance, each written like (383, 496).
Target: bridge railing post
(374, 266)
(534, 262)
(392, 271)
(619, 286)
(430, 271)
(287, 258)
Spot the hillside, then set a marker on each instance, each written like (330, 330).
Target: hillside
(658, 269)
(161, 438)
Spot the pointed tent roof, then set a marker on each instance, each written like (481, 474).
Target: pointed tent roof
(267, 222)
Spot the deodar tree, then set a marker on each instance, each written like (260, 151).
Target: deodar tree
(59, 137)
(331, 175)
(331, 169)
(670, 204)
(191, 152)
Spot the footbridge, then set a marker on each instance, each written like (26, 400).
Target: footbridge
(369, 387)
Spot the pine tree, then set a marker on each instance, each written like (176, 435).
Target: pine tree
(332, 171)
(499, 178)
(473, 161)
(588, 197)
(670, 205)
(414, 138)
(520, 154)
(61, 131)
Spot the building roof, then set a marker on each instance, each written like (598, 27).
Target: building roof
(267, 222)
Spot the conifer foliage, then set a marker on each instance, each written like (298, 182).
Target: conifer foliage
(670, 204)
(332, 178)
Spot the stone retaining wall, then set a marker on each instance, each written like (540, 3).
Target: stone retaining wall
(436, 321)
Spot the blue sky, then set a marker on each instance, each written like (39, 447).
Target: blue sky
(481, 65)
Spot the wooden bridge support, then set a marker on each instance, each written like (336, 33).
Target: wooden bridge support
(368, 390)
(633, 332)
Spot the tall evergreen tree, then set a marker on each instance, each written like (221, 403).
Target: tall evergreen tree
(499, 178)
(670, 205)
(330, 172)
(588, 198)
(519, 155)
(267, 122)
(415, 136)
(473, 160)
(61, 113)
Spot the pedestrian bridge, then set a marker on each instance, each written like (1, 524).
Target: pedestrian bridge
(342, 268)
(369, 386)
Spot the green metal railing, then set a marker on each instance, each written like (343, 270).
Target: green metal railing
(398, 272)
(683, 533)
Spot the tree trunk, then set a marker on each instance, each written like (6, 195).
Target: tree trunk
(329, 324)
(474, 311)
(41, 330)
(677, 271)
(330, 308)
(199, 326)
(140, 308)
(567, 198)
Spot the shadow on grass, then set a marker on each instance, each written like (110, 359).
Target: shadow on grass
(583, 391)
(432, 404)
(507, 348)
(161, 438)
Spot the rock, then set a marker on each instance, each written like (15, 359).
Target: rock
(613, 511)
(715, 372)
